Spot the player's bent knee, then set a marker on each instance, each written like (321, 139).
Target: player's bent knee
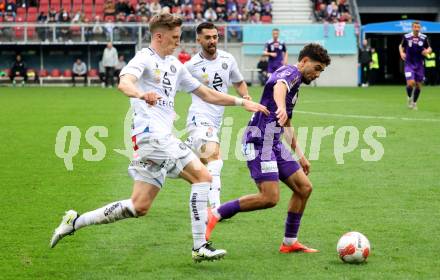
(270, 201)
(141, 210)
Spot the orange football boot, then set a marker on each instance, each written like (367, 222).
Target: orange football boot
(296, 247)
(212, 221)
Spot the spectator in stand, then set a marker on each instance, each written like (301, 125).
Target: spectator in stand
(198, 9)
(221, 13)
(10, 8)
(262, 70)
(166, 3)
(143, 10)
(254, 7)
(256, 18)
(109, 61)
(79, 69)
(199, 19)
(18, 68)
(231, 6)
(332, 12)
(266, 8)
(210, 4)
(321, 14)
(210, 14)
(78, 17)
(109, 26)
(109, 8)
(343, 7)
(53, 14)
(121, 64)
(88, 30)
(155, 7)
(42, 31)
(65, 30)
(132, 30)
(122, 7)
(183, 56)
(97, 29)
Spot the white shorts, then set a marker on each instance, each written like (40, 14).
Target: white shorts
(200, 134)
(158, 158)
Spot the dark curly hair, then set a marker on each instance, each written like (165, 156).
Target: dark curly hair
(315, 52)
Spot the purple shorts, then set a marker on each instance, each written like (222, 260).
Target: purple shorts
(415, 73)
(271, 163)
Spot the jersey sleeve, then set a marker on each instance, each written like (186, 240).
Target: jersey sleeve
(284, 47)
(135, 66)
(288, 76)
(266, 47)
(404, 43)
(426, 44)
(235, 75)
(186, 81)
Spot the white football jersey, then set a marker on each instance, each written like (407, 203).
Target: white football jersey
(163, 76)
(217, 74)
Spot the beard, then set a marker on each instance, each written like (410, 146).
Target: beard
(306, 81)
(210, 49)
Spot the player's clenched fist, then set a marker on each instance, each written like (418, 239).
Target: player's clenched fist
(151, 98)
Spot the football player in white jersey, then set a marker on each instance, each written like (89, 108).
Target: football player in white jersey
(216, 69)
(151, 80)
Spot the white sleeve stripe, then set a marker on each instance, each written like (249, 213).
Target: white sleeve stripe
(285, 82)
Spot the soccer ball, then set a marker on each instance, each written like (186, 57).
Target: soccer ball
(353, 247)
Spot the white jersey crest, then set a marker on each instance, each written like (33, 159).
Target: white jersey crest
(164, 76)
(217, 74)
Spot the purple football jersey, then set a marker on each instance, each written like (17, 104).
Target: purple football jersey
(414, 45)
(262, 128)
(275, 62)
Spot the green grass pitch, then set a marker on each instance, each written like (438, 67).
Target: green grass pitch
(393, 201)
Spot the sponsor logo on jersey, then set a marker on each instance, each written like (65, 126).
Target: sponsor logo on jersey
(173, 68)
(182, 146)
(165, 103)
(217, 83)
(224, 65)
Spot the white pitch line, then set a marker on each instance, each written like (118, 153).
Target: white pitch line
(366, 117)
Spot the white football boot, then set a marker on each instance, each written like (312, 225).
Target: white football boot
(65, 228)
(207, 253)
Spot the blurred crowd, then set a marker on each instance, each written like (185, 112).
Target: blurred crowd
(328, 11)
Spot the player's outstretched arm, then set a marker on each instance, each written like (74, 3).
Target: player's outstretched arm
(279, 95)
(242, 90)
(127, 85)
(214, 97)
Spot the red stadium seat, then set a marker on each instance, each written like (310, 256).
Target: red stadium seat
(76, 7)
(198, 2)
(78, 2)
(67, 5)
(93, 73)
(43, 2)
(99, 2)
(21, 12)
(109, 18)
(266, 19)
(32, 14)
(43, 73)
(55, 4)
(134, 3)
(30, 32)
(67, 73)
(43, 8)
(55, 73)
(88, 2)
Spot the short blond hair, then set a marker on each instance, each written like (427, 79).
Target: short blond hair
(165, 20)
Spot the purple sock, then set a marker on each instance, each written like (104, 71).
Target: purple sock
(229, 209)
(409, 91)
(293, 221)
(416, 94)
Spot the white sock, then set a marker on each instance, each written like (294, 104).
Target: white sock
(108, 214)
(289, 240)
(215, 168)
(198, 202)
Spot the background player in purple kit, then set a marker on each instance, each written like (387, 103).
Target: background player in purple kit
(413, 48)
(268, 159)
(276, 51)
